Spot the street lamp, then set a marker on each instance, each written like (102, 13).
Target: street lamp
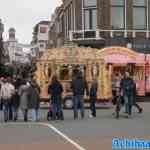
(1, 40)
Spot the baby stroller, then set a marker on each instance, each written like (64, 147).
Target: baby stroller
(50, 114)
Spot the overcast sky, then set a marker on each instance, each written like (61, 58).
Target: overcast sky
(24, 14)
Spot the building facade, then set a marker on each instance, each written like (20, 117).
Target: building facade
(2, 52)
(101, 23)
(17, 52)
(40, 36)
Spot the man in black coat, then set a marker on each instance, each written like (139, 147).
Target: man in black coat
(127, 87)
(79, 85)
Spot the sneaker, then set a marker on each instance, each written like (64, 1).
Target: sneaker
(129, 116)
(90, 116)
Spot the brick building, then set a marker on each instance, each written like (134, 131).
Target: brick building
(101, 23)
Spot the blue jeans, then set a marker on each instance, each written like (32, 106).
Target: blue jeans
(35, 115)
(57, 107)
(6, 110)
(78, 104)
(15, 113)
(128, 103)
(92, 106)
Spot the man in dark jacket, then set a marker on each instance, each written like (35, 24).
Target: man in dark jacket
(79, 85)
(127, 87)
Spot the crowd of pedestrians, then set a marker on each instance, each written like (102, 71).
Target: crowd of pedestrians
(19, 94)
(24, 95)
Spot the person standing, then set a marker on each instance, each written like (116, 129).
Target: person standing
(93, 97)
(115, 88)
(127, 87)
(34, 100)
(55, 89)
(78, 86)
(23, 93)
(134, 99)
(16, 98)
(7, 91)
(1, 100)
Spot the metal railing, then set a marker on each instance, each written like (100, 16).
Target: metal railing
(99, 34)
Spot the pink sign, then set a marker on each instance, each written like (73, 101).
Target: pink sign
(124, 59)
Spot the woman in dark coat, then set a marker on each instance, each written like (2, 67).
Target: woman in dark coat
(16, 98)
(93, 97)
(55, 89)
(34, 100)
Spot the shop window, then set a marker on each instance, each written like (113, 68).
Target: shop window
(117, 14)
(139, 14)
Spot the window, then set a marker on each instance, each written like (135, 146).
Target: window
(139, 14)
(90, 16)
(117, 14)
(88, 3)
(139, 2)
(41, 46)
(117, 2)
(87, 19)
(43, 29)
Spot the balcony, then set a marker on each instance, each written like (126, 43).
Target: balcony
(80, 35)
(84, 35)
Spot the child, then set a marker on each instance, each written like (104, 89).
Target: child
(49, 113)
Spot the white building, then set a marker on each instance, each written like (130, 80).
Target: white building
(18, 53)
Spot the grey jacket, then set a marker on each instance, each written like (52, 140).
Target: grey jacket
(23, 93)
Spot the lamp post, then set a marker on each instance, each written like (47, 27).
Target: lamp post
(1, 41)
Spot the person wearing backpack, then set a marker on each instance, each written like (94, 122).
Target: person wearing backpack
(127, 88)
